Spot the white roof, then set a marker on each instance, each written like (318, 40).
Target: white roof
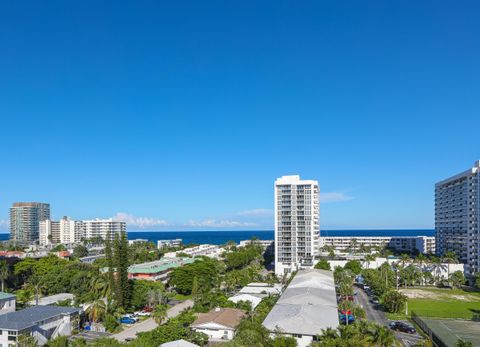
(307, 306)
(255, 289)
(53, 299)
(178, 343)
(254, 300)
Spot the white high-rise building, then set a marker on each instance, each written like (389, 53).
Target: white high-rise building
(70, 231)
(457, 213)
(297, 223)
(25, 218)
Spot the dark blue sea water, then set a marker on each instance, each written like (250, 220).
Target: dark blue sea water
(221, 237)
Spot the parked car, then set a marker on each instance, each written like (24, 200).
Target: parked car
(127, 320)
(343, 319)
(374, 301)
(147, 309)
(142, 314)
(402, 326)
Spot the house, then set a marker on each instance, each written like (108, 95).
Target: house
(263, 289)
(7, 302)
(169, 243)
(41, 322)
(53, 299)
(253, 299)
(178, 343)
(219, 324)
(307, 306)
(156, 270)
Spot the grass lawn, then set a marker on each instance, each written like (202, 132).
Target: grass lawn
(441, 303)
(182, 297)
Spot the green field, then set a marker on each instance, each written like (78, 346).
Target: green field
(441, 303)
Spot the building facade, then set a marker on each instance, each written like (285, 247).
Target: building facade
(297, 225)
(67, 231)
(25, 218)
(457, 213)
(409, 244)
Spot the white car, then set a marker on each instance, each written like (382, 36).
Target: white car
(142, 314)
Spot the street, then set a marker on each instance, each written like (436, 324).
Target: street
(375, 314)
(150, 324)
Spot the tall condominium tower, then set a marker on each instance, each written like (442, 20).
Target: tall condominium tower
(297, 226)
(63, 231)
(25, 218)
(457, 215)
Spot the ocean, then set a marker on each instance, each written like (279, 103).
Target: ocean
(221, 237)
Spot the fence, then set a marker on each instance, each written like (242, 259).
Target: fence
(437, 341)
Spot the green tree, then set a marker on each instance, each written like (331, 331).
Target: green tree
(160, 313)
(457, 279)
(394, 301)
(60, 341)
(463, 343)
(80, 251)
(323, 264)
(97, 310)
(4, 273)
(449, 258)
(354, 265)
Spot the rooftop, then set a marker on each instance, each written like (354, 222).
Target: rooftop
(159, 265)
(307, 306)
(228, 317)
(53, 299)
(178, 343)
(4, 296)
(30, 316)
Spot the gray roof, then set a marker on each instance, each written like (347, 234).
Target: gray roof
(4, 296)
(307, 306)
(178, 343)
(30, 316)
(53, 299)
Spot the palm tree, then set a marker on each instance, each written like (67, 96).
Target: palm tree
(463, 343)
(4, 273)
(420, 260)
(449, 258)
(369, 258)
(437, 268)
(96, 311)
(383, 337)
(101, 286)
(160, 313)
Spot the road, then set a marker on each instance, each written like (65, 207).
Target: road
(375, 314)
(150, 324)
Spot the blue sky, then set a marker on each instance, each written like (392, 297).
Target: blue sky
(180, 115)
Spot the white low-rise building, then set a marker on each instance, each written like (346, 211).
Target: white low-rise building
(41, 322)
(422, 244)
(178, 343)
(211, 251)
(253, 299)
(169, 243)
(263, 289)
(7, 302)
(307, 306)
(219, 324)
(53, 299)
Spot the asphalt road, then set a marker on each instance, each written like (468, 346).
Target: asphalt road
(150, 324)
(375, 314)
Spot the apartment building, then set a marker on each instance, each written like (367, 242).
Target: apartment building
(408, 244)
(297, 226)
(69, 231)
(207, 250)
(169, 243)
(457, 214)
(25, 218)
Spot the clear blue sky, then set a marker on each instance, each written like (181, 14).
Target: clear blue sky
(180, 115)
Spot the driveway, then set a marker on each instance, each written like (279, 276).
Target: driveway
(150, 324)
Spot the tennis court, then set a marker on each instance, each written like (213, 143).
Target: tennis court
(451, 330)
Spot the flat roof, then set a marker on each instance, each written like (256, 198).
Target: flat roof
(53, 299)
(159, 265)
(30, 316)
(4, 296)
(307, 306)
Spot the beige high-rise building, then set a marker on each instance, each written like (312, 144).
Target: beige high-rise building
(25, 218)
